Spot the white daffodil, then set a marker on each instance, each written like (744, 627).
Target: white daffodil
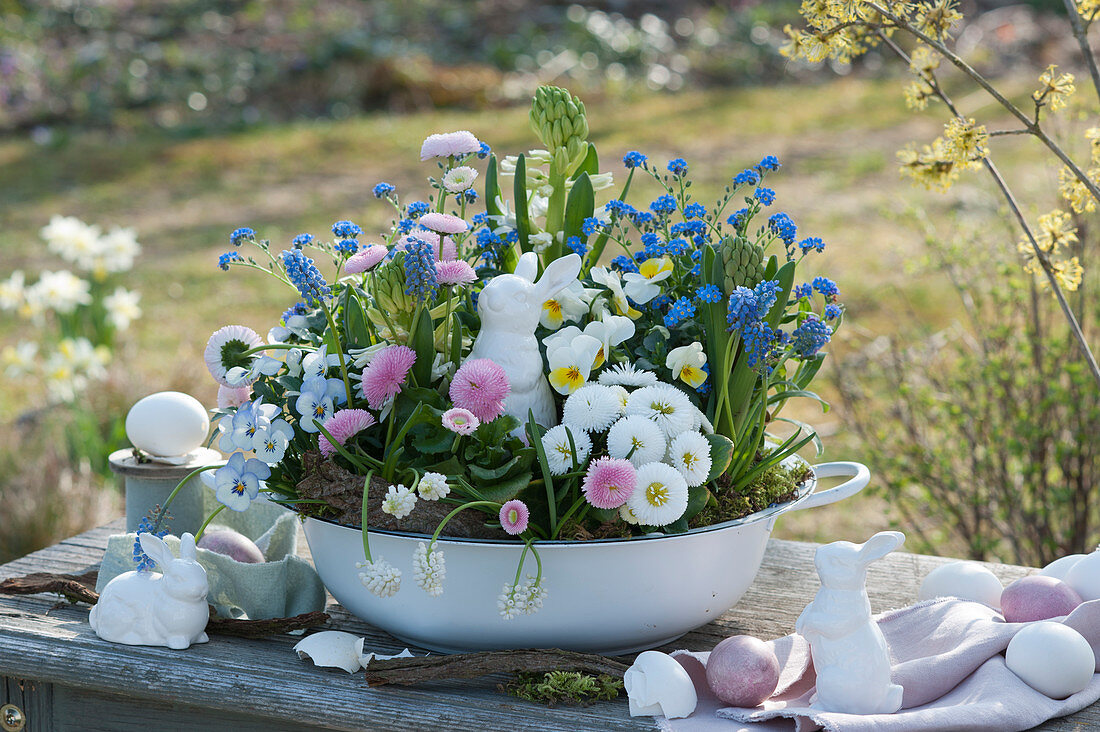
(636, 439)
(610, 331)
(641, 286)
(666, 406)
(84, 358)
(592, 408)
(60, 291)
(270, 443)
(686, 363)
(11, 291)
(660, 495)
(459, 179)
(122, 307)
(571, 364)
(559, 454)
(690, 454)
(19, 360)
(570, 304)
(619, 301)
(72, 239)
(116, 251)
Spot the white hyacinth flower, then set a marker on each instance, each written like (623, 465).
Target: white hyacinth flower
(690, 454)
(433, 486)
(459, 179)
(660, 495)
(668, 408)
(380, 577)
(625, 374)
(559, 456)
(429, 570)
(399, 501)
(592, 408)
(636, 439)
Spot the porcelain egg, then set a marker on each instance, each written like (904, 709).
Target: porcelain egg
(1059, 568)
(965, 580)
(1084, 576)
(1051, 658)
(167, 424)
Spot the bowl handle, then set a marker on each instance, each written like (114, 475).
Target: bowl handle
(860, 477)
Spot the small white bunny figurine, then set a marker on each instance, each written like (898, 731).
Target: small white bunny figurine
(509, 307)
(151, 609)
(850, 654)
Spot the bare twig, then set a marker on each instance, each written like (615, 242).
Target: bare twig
(407, 671)
(1080, 32)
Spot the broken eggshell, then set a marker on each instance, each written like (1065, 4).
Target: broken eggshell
(331, 649)
(658, 685)
(366, 657)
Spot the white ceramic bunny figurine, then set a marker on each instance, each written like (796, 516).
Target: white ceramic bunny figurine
(151, 609)
(509, 307)
(850, 654)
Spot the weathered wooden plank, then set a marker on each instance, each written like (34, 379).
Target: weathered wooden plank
(228, 676)
(33, 699)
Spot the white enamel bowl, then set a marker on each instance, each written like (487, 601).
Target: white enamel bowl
(609, 596)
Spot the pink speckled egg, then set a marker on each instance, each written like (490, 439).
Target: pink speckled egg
(1037, 598)
(743, 671)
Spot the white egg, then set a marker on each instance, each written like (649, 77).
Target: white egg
(965, 580)
(167, 424)
(1060, 567)
(1084, 576)
(658, 685)
(1051, 658)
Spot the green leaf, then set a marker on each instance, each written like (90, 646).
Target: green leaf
(355, 323)
(579, 206)
(493, 474)
(697, 501)
(808, 428)
(721, 451)
(432, 438)
(423, 342)
(506, 489)
(783, 396)
(596, 250)
(523, 216)
(492, 188)
(590, 165)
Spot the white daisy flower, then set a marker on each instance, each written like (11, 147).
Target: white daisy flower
(592, 408)
(690, 454)
(626, 513)
(558, 453)
(433, 486)
(622, 395)
(660, 495)
(399, 501)
(429, 570)
(224, 349)
(668, 407)
(624, 374)
(459, 179)
(636, 439)
(380, 577)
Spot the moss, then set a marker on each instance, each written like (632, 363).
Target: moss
(571, 687)
(775, 485)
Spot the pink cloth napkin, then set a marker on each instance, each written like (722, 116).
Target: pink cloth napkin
(948, 656)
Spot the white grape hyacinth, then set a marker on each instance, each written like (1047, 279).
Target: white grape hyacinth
(433, 486)
(559, 456)
(689, 453)
(380, 577)
(399, 501)
(429, 569)
(522, 599)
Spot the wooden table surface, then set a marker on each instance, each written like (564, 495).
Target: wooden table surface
(68, 679)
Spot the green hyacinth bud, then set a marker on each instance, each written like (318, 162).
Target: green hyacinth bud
(558, 119)
(388, 287)
(743, 263)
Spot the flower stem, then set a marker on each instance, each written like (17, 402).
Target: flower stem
(452, 514)
(171, 496)
(365, 507)
(215, 512)
(339, 350)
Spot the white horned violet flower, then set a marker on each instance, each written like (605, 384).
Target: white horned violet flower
(570, 364)
(686, 363)
(429, 569)
(380, 577)
(399, 501)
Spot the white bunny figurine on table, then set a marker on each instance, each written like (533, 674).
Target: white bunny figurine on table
(849, 652)
(509, 307)
(151, 609)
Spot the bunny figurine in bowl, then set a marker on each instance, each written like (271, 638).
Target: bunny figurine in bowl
(151, 609)
(509, 308)
(849, 651)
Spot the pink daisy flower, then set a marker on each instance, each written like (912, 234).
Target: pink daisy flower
(449, 144)
(233, 396)
(442, 223)
(344, 425)
(514, 516)
(385, 374)
(460, 421)
(455, 272)
(365, 259)
(224, 349)
(609, 482)
(480, 385)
